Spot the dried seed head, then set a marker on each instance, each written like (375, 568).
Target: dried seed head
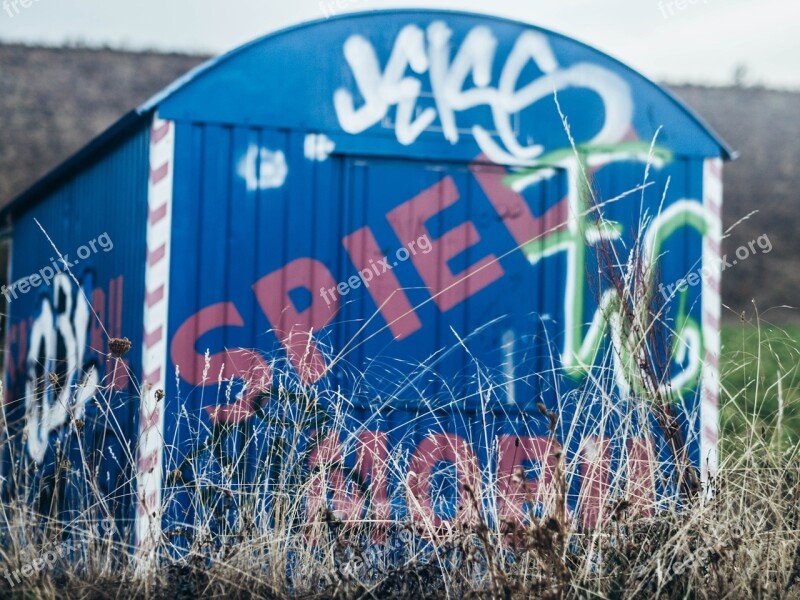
(621, 506)
(553, 417)
(553, 524)
(159, 395)
(79, 424)
(53, 379)
(119, 347)
(518, 476)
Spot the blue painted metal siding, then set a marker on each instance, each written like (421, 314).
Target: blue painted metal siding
(445, 371)
(104, 203)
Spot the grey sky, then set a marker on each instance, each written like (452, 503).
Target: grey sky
(674, 40)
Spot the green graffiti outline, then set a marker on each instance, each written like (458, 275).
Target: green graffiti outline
(585, 343)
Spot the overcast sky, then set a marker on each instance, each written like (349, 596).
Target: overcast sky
(702, 41)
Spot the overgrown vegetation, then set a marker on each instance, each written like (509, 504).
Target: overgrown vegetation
(761, 378)
(741, 541)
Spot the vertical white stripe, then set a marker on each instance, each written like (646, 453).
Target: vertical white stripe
(154, 358)
(709, 411)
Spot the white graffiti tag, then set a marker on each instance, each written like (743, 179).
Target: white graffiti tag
(57, 348)
(382, 90)
(262, 168)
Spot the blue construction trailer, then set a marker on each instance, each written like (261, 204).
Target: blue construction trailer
(386, 205)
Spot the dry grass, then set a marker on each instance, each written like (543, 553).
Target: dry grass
(741, 541)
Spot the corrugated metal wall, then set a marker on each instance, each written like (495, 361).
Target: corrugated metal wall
(263, 227)
(96, 220)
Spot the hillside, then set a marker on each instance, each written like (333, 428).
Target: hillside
(52, 101)
(764, 126)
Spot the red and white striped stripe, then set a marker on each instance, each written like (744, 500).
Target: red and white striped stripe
(154, 349)
(712, 306)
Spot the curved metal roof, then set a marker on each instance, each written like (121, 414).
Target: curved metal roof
(138, 117)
